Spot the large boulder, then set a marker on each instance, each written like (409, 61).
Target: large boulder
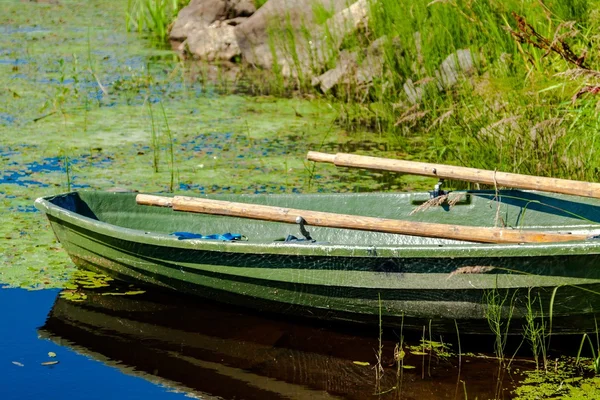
(200, 14)
(302, 34)
(215, 42)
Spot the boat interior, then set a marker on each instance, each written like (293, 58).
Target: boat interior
(515, 209)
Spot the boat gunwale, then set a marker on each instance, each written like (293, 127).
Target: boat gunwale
(457, 250)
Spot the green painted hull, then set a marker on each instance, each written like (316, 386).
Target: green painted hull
(351, 275)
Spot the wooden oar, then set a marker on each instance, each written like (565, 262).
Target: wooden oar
(345, 221)
(507, 179)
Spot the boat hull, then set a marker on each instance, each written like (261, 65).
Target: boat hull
(445, 285)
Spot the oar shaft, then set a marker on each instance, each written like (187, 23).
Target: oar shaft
(506, 179)
(345, 221)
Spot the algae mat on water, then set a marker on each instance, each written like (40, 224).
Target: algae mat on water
(87, 105)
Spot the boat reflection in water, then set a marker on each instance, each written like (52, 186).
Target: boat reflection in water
(209, 350)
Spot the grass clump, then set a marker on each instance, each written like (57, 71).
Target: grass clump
(153, 16)
(508, 85)
(488, 84)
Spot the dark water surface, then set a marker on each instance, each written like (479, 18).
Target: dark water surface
(157, 345)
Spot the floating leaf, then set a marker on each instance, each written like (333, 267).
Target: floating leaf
(129, 293)
(361, 363)
(418, 353)
(51, 354)
(47, 363)
(134, 292)
(574, 379)
(408, 366)
(18, 364)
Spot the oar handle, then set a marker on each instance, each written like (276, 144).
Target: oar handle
(496, 178)
(345, 221)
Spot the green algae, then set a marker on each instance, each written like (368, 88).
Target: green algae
(76, 86)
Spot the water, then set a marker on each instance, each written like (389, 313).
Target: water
(77, 374)
(160, 345)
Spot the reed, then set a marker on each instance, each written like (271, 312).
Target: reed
(535, 330)
(379, 355)
(595, 350)
(595, 358)
(458, 380)
(154, 137)
(67, 165)
(170, 148)
(499, 310)
(399, 354)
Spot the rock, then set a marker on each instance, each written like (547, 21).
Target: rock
(240, 8)
(460, 62)
(214, 42)
(352, 70)
(345, 64)
(287, 19)
(413, 92)
(372, 64)
(348, 19)
(202, 13)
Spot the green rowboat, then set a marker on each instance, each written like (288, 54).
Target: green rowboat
(351, 275)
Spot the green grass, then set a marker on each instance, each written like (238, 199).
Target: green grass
(153, 17)
(514, 113)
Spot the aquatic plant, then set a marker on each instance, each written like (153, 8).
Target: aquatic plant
(170, 148)
(499, 310)
(535, 329)
(67, 166)
(155, 139)
(595, 350)
(379, 354)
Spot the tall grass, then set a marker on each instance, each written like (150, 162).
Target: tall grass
(515, 113)
(514, 110)
(152, 16)
(535, 330)
(499, 310)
